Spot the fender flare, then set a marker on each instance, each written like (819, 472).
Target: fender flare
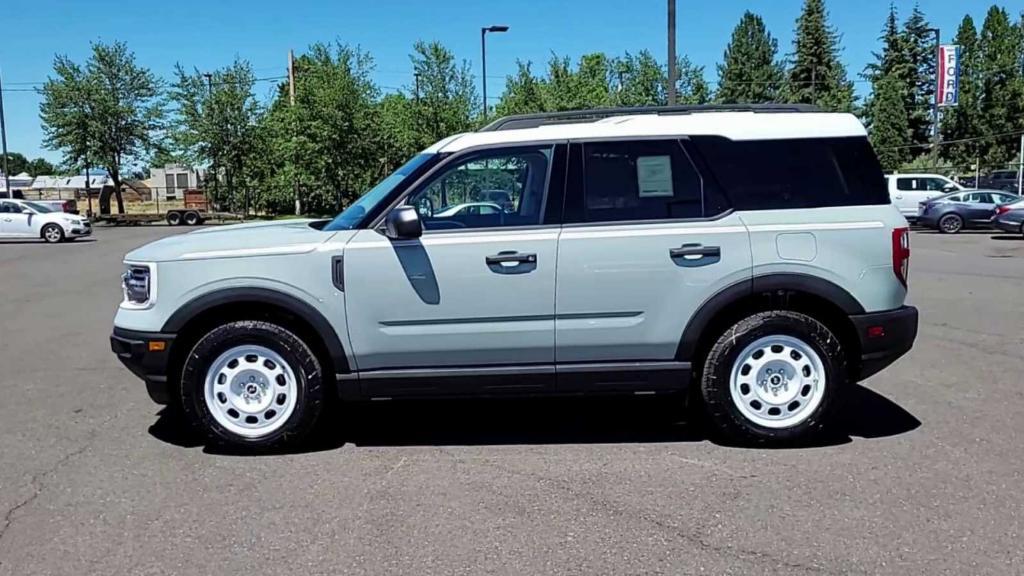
(759, 284)
(193, 308)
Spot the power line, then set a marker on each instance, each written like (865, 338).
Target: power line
(958, 141)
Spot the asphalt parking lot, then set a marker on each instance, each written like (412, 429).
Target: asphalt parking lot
(95, 479)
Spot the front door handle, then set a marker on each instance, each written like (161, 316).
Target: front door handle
(695, 255)
(511, 257)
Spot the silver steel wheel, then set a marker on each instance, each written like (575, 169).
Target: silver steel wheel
(52, 234)
(250, 390)
(951, 224)
(777, 382)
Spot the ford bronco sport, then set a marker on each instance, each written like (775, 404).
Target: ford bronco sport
(751, 251)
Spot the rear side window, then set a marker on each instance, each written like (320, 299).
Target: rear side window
(906, 184)
(639, 180)
(788, 174)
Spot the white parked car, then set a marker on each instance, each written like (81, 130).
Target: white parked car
(908, 191)
(25, 219)
(470, 209)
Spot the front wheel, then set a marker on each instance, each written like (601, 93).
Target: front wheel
(951, 224)
(53, 234)
(252, 385)
(774, 377)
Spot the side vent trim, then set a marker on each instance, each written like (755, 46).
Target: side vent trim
(338, 272)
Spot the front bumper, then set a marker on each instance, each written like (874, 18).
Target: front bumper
(133, 349)
(1006, 226)
(884, 338)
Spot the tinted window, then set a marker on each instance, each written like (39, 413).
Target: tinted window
(1004, 198)
(784, 174)
(509, 184)
(906, 184)
(641, 180)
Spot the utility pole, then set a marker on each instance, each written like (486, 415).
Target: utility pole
(671, 52)
(291, 101)
(3, 137)
(213, 160)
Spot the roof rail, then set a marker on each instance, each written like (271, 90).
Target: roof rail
(580, 116)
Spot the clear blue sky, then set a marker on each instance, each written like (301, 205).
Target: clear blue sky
(209, 33)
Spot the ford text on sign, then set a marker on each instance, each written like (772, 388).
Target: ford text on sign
(949, 75)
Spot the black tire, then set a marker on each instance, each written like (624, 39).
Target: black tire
(296, 353)
(950, 224)
(723, 413)
(192, 218)
(173, 218)
(52, 234)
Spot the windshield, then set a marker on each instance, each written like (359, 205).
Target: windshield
(353, 215)
(40, 208)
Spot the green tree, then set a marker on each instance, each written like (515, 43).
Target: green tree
(640, 80)
(107, 113)
(919, 46)
(16, 163)
(889, 128)
(891, 63)
(524, 93)
(816, 75)
(1000, 86)
(749, 72)
(447, 101)
(397, 139)
(691, 87)
(40, 167)
(217, 121)
(963, 121)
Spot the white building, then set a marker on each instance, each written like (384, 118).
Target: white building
(171, 181)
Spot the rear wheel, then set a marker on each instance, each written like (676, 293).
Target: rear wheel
(252, 385)
(774, 377)
(53, 234)
(951, 224)
(192, 218)
(174, 218)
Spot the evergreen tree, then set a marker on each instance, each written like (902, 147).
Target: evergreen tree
(640, 80)
(962, 121)
(691, 87)
(816, 76)
(1001, 87)
(889, 128)
(749, 72)
(892, 63)
(919, 44)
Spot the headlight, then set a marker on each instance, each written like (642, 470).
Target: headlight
(138, 284)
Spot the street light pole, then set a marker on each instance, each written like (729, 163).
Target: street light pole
(483, 57)
(671, 52)
(3, 137)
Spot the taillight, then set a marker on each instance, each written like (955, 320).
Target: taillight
(66, 206)
(901, 254)
(1002, 209)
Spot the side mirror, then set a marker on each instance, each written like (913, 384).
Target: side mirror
(403, 223)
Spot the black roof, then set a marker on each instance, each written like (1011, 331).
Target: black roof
(581, 116)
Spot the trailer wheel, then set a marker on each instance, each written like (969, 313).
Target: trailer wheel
(192, 218)
(173, 218)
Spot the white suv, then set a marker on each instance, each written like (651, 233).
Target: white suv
(751, 252)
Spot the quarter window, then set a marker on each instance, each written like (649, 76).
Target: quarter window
(497, 189)
(640, 180)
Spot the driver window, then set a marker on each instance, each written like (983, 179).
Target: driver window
(10, 208)
(498, 189)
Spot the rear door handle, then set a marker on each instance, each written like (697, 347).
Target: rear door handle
(511, 257)
(695, 255)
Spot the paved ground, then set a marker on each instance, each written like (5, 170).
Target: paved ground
(93, 480)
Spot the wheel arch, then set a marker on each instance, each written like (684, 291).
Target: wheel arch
(821, 299)
(199, 315)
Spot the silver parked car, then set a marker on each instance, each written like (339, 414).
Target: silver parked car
(750, 252)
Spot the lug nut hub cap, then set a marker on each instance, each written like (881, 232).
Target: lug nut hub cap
(777, 381)
(250, 390)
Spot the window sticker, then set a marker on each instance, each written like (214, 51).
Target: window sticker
(654, 176)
